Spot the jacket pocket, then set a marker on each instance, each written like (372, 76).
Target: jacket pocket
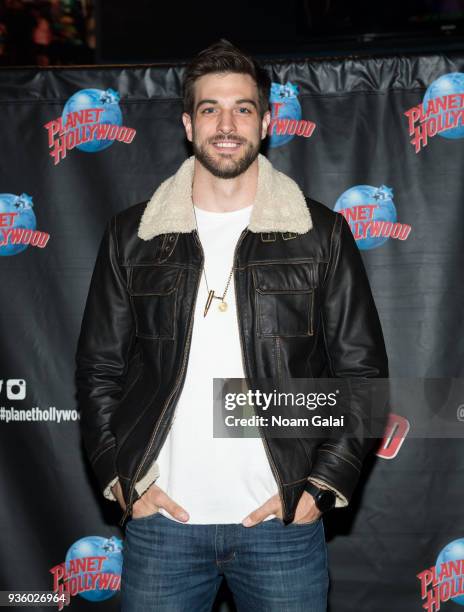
(153, 295)
(284, 300)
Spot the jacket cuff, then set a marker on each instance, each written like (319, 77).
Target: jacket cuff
(141, 486)
(340, 499)
(144, 483)
(337, 471)
(108, 493)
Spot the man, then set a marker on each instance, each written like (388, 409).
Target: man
(228, 271)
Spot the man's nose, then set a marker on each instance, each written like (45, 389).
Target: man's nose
(226, 123)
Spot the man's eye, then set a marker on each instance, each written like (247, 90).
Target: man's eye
(206, 111)
(243, 110)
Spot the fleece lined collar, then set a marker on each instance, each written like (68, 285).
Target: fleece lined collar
(279, 204)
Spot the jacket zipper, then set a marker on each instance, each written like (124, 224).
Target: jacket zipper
(263, 437)
(179, 379)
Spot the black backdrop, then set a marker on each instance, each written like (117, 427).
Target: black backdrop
(357, 138)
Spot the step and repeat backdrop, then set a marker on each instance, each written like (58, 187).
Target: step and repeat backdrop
(379, 140)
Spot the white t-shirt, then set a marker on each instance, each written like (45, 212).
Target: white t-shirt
(216, 480)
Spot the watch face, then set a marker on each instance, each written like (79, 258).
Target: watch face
(325, 500)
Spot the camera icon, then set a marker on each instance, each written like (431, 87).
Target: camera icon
(16, 389)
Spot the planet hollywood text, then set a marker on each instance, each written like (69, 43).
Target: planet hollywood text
(83, 574)
(433, 117)
(80, 127)
(19, 235)
(281, 126)
(441, 584)
(363, 224)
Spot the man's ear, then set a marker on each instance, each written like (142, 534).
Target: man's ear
(265, 121)
(187, 121)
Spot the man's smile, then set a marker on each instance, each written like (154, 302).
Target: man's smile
(227, 145)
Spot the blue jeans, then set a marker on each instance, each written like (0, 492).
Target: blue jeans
(174, 567)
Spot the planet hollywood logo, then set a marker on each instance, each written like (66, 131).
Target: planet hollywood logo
(441, 112)
(91, 121)
(444, 581)
(18, 225)
(286, 121)
(371, 214)
(92, 569)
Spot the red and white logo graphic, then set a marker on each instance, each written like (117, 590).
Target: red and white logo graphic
(395, 434)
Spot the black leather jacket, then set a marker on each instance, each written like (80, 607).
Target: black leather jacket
(304, 309)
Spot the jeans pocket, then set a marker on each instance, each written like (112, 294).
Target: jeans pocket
(307, 524)
(148, 517)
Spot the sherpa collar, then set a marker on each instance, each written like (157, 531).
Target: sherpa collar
(279, 204)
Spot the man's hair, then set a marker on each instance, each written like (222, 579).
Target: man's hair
(224, 57)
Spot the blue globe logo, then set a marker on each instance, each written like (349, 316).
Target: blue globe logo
(24, 218)
(85, 99)
(446, 85)
(367, 195)
(290, 109)
(454, 551)
(96, 546)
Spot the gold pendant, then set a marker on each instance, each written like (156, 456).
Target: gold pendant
(222, 306)
(208, 302)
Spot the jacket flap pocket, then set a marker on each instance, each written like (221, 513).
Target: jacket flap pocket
(284, 278)
(153, 280)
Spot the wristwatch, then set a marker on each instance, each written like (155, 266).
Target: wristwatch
(323, 498)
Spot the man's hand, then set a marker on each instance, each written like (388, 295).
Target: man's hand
(306, 511)
(151, 501)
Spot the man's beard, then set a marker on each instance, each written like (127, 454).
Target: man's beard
(227, 168)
